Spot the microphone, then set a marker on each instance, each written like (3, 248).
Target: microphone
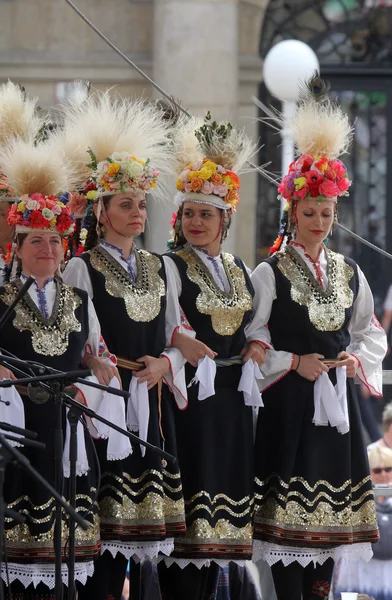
(22, 292)
(38, 394)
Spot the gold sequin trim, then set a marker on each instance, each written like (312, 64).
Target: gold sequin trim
(326, 308)
(20, 534)
(142, 297)
(225, 309)
(324, 515)
(152, 509)
(223, 530)
(310, 488)
(274, 491)
(49, 337)
(214, 499)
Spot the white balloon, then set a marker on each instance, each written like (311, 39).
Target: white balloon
(286, 65)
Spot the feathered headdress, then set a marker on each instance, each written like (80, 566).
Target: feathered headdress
(213, 155)
(322, 133)
(19, 119)
(37, 176)
(116, 145)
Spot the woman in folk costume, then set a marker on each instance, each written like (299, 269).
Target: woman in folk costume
(314, 499)
(56, 325)
(18, 120)
(215, 428)
(141, 503)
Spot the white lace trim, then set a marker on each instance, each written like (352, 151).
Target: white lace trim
(273, 553)
(139, 549)
(43, 573)
(82, 468)
(200, 562)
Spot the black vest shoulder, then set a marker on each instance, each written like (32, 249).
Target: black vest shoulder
(58, 341)
(131, 313)
(304, 317)
(218, 318)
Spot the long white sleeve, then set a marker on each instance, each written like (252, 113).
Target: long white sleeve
(368, 339)
(76, 275)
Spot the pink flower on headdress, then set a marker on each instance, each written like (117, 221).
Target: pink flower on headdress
(207, 188)
(188, 187)
(56, 210)
(343, 184)
(302, 193)
(329, 189)
(338, 167)
(77, 203)
(223, 189)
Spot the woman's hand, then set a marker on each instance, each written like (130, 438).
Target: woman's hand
(350, 362)
(102, 370)
(191, 349)
(310, 366)
(255, 351)
(6, 373)
(154, 370)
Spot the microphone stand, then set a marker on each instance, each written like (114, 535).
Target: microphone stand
(8, 452)
(60, 379)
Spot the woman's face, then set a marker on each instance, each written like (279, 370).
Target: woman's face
(6, 231)
(201, 224)
(381, 474)
(314, 221)
(41, 254)
(125, 215)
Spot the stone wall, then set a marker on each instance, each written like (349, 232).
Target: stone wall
(203, 51)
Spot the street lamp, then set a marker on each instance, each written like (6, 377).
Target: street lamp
(286, 66)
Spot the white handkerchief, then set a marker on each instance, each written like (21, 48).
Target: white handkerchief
(82, 465)
(330, 403)
(205, 376)
(112, 408)
(14, 413)
(251, 374)
(138, 410)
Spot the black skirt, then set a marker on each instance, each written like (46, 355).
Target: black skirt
(313, 489)
(215, 447)
(30, 545)
(140, 500)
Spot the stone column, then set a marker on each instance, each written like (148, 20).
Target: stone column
(195, 59)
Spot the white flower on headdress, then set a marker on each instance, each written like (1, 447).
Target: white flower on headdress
(134, 169)
(178, 199)
(120, 156)
(47, 213)
(32, 204)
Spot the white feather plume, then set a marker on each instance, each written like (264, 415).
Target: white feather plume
(18, 114)
(107, 123)
(321, 129)
(35, 169)
(186, 146)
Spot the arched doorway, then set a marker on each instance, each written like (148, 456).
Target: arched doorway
(353, 41)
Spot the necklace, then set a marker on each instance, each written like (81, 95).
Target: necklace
(386, 443)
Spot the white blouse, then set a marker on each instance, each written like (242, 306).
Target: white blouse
(368, 340)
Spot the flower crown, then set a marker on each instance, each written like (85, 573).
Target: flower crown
(40, 213)
(309, 177)
(208, 178)
(121, 173)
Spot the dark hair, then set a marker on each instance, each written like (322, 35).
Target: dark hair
(179, 238)
(92, 238)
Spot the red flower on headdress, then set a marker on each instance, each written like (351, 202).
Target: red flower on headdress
(13, 215)
(338, 167)
(235, 178)
(63, 223)
(37, 221)
(174, 218)
(314, 179)
(343, 184)
(305, 162)
(322, 164)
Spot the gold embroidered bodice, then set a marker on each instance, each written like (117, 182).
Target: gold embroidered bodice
(49, 337)
(226, 309)
(326, 307)
(142, 297)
